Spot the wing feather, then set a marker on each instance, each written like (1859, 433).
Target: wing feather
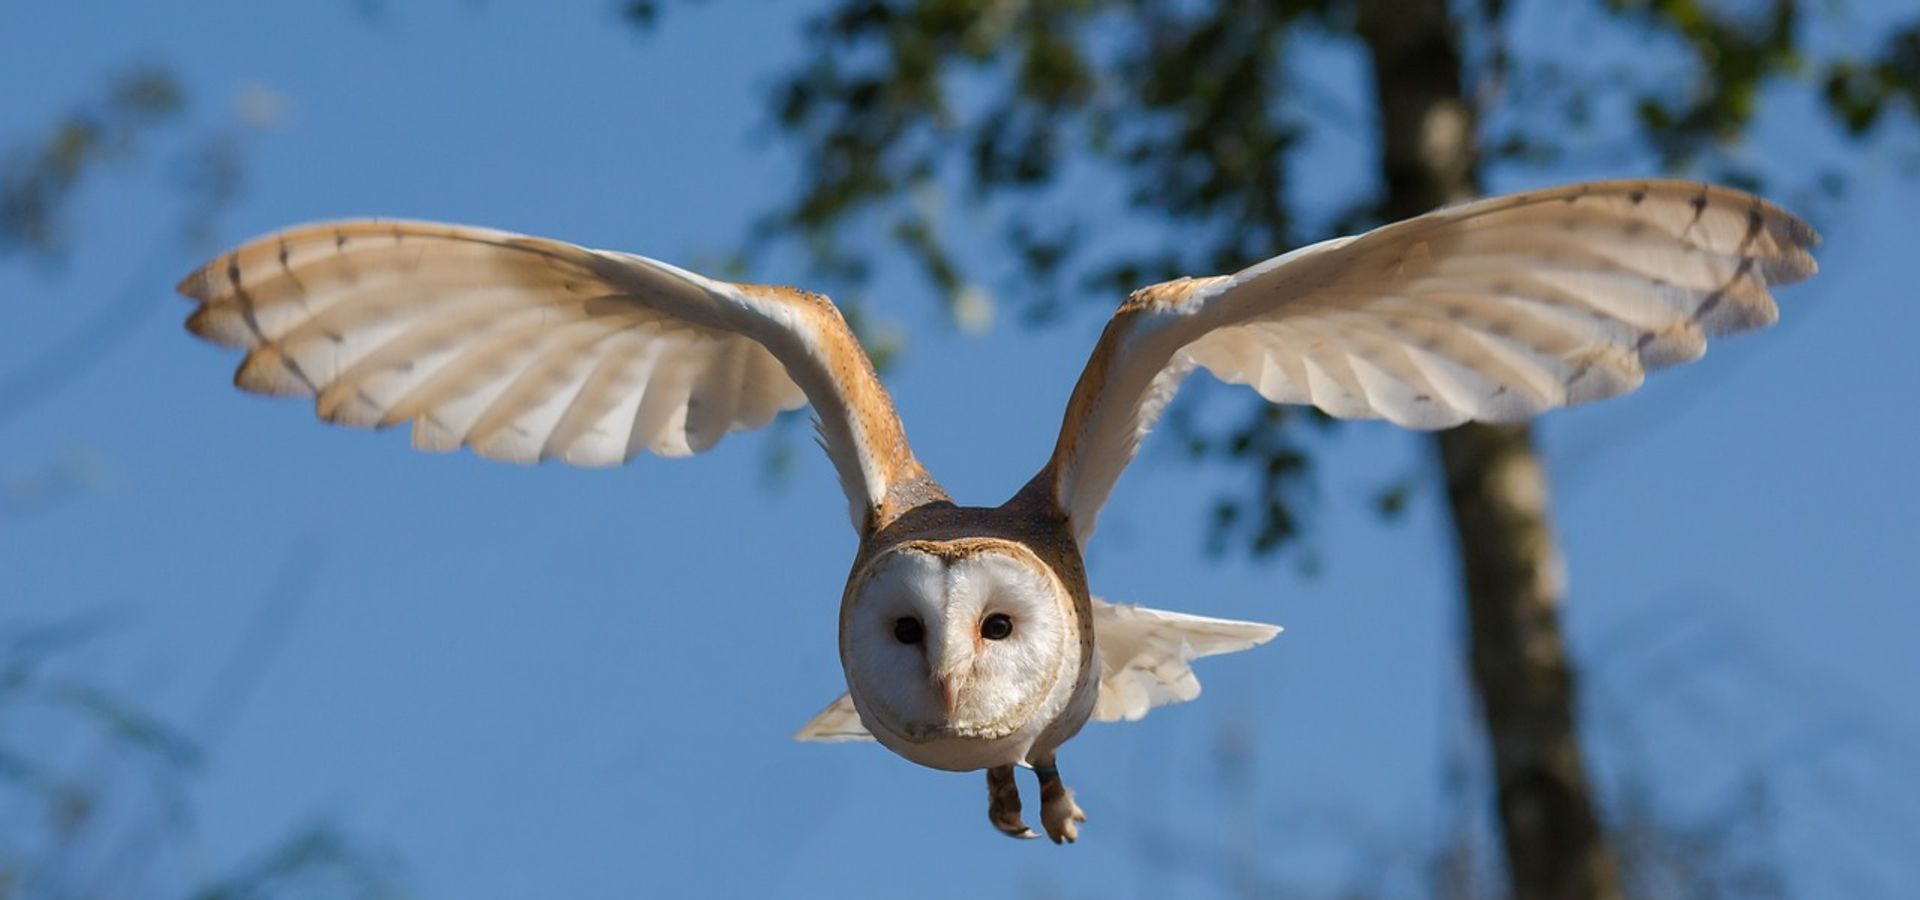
(1493, 311)
(1146, 655)
(838, 723)
(527, 349)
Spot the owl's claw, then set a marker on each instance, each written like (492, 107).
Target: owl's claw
(1003, 806)
(1058, 813)
(1061, 816)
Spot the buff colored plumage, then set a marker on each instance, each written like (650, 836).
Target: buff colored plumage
(969, 637)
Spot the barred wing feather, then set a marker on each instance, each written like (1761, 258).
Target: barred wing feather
(1488, 311)
(527, 349)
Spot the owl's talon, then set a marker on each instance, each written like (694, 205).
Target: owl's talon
(1003, 804)
(1058, 813)
(1013, 827)
(1061, 816)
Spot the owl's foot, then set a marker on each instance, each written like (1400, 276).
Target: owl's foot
(1003, 804)
(1058, 813)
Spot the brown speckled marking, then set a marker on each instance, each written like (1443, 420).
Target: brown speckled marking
(875, 424)
(1719, 294)
(266, 351)
(1167, 294)
(286, 270)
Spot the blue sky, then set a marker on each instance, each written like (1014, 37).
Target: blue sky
(548, 682)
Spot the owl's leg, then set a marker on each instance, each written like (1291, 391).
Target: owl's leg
(1003, 803)
(1058, 813)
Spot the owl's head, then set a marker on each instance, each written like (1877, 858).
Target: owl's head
(954, 639)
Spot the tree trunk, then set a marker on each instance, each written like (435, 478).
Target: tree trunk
(1497, 492)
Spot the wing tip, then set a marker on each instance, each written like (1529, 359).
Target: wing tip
(1258, 633)
(1794, 265)
(266, 371)
(194, 285)
(218, 326)
(1794, 260)
(1798, 231)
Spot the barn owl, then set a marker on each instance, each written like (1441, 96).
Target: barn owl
(968, 635)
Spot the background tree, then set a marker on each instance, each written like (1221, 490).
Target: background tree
(1198, 111)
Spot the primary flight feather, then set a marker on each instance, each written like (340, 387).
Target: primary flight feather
(968, 635)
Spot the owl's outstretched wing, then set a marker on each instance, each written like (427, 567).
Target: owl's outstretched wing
(528, 349)
(1491, 311)
(1146, 655)
(1146, 660)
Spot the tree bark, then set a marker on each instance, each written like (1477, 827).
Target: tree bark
(1497, 492)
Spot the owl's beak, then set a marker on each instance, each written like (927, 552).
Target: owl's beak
(949, 688)
(951, 668)
(948, 681)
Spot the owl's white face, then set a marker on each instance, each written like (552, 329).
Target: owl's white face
(940, 648)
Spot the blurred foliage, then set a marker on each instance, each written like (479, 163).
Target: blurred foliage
(96, 788)
(70, 474)
(1032, 111)
(100, 805)
(140, 113)
(140, 116)
(1861, 91)
(38, 176)
(1732, 55)
(1724, 853)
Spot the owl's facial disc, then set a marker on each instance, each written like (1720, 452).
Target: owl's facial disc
(939, 645)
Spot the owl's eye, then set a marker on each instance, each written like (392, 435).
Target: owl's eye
(997, 627)
(907, 630)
